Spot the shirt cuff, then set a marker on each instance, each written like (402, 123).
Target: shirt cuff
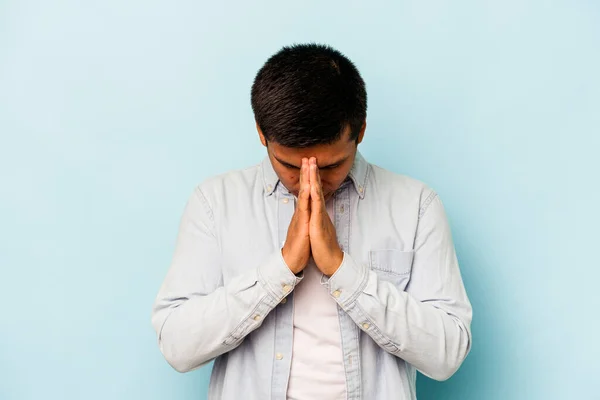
(348, 281)
(276, 277)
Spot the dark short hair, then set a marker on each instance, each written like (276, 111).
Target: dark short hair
(307, 94)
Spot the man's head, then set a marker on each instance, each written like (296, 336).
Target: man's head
(310, 101)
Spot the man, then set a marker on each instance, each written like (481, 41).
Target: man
(313, 275)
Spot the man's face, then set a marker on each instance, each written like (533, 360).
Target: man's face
(334, 161)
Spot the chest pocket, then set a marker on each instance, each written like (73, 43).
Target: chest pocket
(392, 265)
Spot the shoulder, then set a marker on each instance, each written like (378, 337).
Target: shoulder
(241, 182)
(400, 188)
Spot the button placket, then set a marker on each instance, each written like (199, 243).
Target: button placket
(285, 211)
(341, 217)
(283, 313)
(348, 328)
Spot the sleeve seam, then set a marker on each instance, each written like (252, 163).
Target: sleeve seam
(359, 289)
(202, 198)
(386, 341)
(425, 206)
(238, 332)
(266, 283)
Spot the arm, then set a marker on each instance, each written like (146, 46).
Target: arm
(428, 326)
(195, 316)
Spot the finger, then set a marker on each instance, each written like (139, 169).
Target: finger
(320, 184)
(316, 194)
(317, 178)
(318, 175)
(304, 193)
(306, 174)
(302, 172)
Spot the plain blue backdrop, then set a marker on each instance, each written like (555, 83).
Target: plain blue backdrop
(112, 111)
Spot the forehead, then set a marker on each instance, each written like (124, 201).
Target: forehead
(324, 153)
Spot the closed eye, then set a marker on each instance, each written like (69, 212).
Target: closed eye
(289, 166)
(330, 167)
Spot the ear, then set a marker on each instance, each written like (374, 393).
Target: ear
(263, 139)
(361, 134)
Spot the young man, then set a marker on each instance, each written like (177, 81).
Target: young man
(313, 275)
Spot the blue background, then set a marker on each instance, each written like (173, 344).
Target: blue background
(111, 112)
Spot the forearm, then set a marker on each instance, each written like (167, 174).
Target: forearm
(433, 336)
(195, 328)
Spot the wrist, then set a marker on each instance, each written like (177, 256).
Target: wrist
(336, 261)
(295, 267)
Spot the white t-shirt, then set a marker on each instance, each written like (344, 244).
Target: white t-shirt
(317, 370)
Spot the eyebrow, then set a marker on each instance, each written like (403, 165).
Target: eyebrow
(321, 167)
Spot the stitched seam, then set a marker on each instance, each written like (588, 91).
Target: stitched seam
(343, 346)
(265, 181)
(376, 329)
(427, 203)
(390, 271)
(366, 181)
(266, 285)
(359, 290)
(359, 381)
(244, 321)
(210, 213)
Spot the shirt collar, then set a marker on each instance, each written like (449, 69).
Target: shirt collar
(358, 175)
(270, 178)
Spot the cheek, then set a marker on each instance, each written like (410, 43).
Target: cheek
(291, 180)
(333, 179)
(329, 180)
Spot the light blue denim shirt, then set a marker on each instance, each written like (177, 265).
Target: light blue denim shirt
(228, 295)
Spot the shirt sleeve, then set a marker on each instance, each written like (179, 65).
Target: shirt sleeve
(428, 324)
(196, 316)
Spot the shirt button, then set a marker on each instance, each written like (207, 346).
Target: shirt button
(336, 293)
(286, 200)
(360, 189)
(257, 317)
(365, 326)
(279, 356)
(286, 288)
(342, 208)
(269, 187)
(284, 300)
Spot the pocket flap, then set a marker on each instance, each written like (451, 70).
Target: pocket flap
(391, 260)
